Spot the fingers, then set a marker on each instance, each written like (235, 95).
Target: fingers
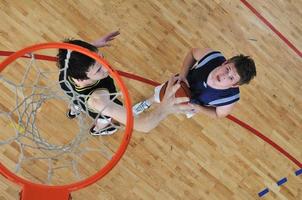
(104, 41)
(186, 81)
(174, 88)
(170, 82)
(181, 100)
(183, 108)
(171, 89)
(180, 78)
(113, 34)
(170, 92)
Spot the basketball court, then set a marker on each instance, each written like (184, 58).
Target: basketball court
(254, 153)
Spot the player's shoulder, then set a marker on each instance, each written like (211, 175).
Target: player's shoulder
(199, 53)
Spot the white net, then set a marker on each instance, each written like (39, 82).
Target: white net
(37, 141)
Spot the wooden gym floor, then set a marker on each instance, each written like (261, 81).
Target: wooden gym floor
(198, 158)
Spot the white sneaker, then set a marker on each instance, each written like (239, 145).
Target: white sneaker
(109, 130)
(140, 107)
(109, 127)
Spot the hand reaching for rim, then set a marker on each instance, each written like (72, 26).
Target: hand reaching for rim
(105, 40)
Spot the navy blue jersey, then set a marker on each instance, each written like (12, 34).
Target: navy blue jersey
(204, 95)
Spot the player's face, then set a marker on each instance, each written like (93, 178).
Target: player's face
(97, 71)
(226, 75)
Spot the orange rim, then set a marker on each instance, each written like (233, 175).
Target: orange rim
(120, 151)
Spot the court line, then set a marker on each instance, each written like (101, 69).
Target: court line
(279, 183)
(154, 83)
(266, 139)
(267, 23)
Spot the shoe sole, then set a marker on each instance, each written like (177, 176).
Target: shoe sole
(103, 132)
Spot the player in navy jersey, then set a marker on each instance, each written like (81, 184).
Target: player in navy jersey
(91, 89)
(213, 80)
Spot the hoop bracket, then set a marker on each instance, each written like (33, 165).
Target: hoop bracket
(33, 193)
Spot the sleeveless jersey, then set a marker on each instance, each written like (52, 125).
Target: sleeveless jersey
(204, 95)
(83, 93)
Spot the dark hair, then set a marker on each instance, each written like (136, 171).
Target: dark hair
(78, 64)
(245, 67)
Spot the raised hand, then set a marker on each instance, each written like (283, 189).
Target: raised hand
(170, 104)
(180, 78)
(104, 41)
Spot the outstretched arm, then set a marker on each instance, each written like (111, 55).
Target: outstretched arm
(104, 41)
(100, 101)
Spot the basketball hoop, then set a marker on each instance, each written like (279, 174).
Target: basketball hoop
(38, 191)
